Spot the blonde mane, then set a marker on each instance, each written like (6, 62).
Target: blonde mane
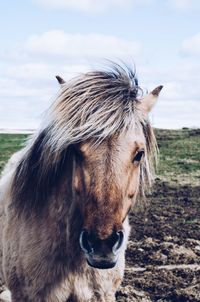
(94, 106)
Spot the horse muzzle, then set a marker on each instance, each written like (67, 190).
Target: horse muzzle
(102, 254)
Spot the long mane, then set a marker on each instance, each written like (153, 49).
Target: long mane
(94, 105)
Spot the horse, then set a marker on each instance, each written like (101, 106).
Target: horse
(65, 197)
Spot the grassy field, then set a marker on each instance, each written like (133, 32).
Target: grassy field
(10, 143)
(163, 255)
(179, 156)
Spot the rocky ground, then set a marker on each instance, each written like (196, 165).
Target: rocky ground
(163, 256)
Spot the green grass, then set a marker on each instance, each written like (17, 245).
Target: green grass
(10, 143)
(179, 156)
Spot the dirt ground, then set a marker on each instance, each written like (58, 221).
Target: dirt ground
(163, 256)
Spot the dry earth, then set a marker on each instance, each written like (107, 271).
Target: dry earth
(163, 256)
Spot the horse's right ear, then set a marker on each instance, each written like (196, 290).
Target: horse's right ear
(60, 80)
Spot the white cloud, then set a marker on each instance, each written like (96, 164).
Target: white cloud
(59, 43)
(191, 46)
(28, 85)
(33, 71)
(184, 5)
(12, 88)
(39, 73)
(173, 115)
(91, 6)
(21, 112)
(27, 81)
(181, 80)
(43, 56)
(83, 5)
(30, 70)
(99, 6)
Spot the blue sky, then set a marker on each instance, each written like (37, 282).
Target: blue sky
(42, 38)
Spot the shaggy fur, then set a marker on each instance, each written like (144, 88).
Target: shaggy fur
(67, 177)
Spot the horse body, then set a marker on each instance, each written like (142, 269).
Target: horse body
(65, 197)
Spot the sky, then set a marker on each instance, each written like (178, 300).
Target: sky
(43, 38)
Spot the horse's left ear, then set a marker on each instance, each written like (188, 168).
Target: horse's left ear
(150, 99)
(60, 80)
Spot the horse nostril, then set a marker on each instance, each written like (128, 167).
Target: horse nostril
(119, 238)
(85, 243)
(91, 245)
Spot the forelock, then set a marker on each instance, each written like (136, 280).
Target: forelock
(94, 105)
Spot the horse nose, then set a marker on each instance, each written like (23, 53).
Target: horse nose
(90, 244)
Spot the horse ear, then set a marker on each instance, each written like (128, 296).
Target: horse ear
(147, 102)
(60, 80)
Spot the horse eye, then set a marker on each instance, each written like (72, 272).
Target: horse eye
(138, 156)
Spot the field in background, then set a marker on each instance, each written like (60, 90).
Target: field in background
(163, 256)
(179, 154)
(10, 143)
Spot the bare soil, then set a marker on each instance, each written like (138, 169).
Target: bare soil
(163, 255)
